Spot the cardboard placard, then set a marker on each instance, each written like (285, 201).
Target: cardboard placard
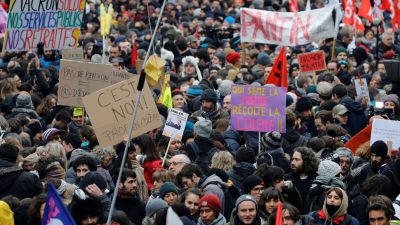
(78, 79)
(55, 23)
(386, 130)
(312, 62)
(175, 124)
(258, 108)
(110, 110)
(72, 54)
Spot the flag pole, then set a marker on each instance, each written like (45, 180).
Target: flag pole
(243, 54)
(166, 152)
(138, 97)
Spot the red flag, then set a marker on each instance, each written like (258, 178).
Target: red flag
(278, 74)
(365, 10)
(196, 33)
(396, 16)
(358, 23)
(134, 55)
(293, 6)
(387, 5)
(359, 139)
(278, 220)
(350, 9)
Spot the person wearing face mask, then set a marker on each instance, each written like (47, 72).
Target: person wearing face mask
(334, 210)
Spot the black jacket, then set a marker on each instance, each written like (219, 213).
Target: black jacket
(134, 208)
(356, 120)
(392, 171)
(239, 172)
(303, 186)
(292, 139)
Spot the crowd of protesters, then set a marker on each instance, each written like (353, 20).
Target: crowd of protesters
(214, 175)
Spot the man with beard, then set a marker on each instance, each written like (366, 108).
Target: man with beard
(304, 110)
(304, 171)
(209, 107)
(49, 58)
(128, 200)
(81, 166)
(379, 156)
(345, 159)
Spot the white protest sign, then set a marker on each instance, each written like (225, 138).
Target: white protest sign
(288, 29)
(362, 88)
(386, 130)
(175, 124)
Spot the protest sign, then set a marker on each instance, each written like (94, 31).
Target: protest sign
(175, 124)
(362, 88)
(55, 23)
(110, 110)
(72, 54)
(258, 108)
(312, 62)
(288, 29)
(78, 79)
(386, 130)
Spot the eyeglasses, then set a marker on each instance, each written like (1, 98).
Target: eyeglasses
(259, 189)
(176, 163)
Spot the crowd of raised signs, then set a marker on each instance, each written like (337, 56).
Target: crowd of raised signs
(214, 175)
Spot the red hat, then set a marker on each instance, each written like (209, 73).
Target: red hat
(211, 201)
(232, 57)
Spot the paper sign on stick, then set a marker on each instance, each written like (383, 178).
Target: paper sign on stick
(312, 62)
(175, 124)
(55, 23)
(386, 130)
(110, 110)
(362, 88)
(78, 79)
(258, 108)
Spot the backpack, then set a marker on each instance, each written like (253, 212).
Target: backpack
(203, 159)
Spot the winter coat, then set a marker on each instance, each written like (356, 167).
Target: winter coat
(392, 171)
(278, 158)
(356, 120)
(218, 113)
(303, 186)
(232, 138)
(149, 168)
(14, 181)
(239, 172)
(213, 185)
(359, 204)
(220, 220)
(206, 150)
(292, 139)
(15, 111)
(133, 208)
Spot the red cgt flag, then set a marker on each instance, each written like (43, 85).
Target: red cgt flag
(365, 10)
(396, 15)
(349, 12)
(358, 23)
(134, 55)
(293, 6)
(278, 74)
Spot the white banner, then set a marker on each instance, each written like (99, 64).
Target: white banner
(288, 29)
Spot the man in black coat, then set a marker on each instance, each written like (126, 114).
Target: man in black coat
(13, 180)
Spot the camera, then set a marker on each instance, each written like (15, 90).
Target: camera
(379, 110)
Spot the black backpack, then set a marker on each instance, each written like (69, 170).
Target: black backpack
(203, 159)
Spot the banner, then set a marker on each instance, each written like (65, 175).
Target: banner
(110, 110)
(78, 79)
(258, 108)
(175, 124)
(288, 29)
(55, 211)
(55, 23)
(311, 62)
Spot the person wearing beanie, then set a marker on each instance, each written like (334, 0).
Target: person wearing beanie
(219, 58)
(324, 90)
(169, 193)
(210, 211)
(210, 108)
(245, 158)
(253, 185)
(155, 205)
(271, 144)
(233, 58)
(13, 179)
(191, 68)
(341, 54)
(263, 60)
(225, 88)
(23, 105)
(245, 212)
(391, 103)
(379, 156)
(304, 110)
(91, 208)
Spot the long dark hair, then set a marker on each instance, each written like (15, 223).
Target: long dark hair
(148, 146)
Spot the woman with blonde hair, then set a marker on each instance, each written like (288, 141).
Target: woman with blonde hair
(8, 87)
(57, 150)
(105, 154)
(222, 160)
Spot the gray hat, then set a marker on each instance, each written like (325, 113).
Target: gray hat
(324, 88)
(328, 168)
(203, 128)
(243, 198)
(340, 110)
(263, 59)
(225, 87)
(154, 205)
(221, 56)
(272, 140)
(24, 101)
(190, 39)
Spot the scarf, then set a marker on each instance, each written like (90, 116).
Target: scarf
(337, 220)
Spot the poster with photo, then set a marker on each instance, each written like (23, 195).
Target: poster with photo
(175, 124)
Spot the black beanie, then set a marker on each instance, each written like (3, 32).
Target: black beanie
(245, 154)
(93, 178)
(250, 182)
(83, 208)
(380, 148)
(303, 104)
(209, 95)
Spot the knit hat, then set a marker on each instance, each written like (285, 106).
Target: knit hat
(324, 88)
(154, 205)
(194, 90)
(83, 208)
(49, 132)
(6, 214)
(379, 148)
(24, 101)
(245, 154)
(243, 198)
(391, 98)
(166, 188)
(250, 182)
(221, 56)
(340, 50)
(272, 140)
(203, 128)
(328, 168)
(209, 95)
(233, 57)
(8, 152)
(225, 87)
(303, 104)
(93, 178)
(212, 201)
(263, 59)
(289, 100)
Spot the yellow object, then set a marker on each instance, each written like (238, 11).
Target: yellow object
(154, 68)
(166, 93)
(6, 215)
(106, 19)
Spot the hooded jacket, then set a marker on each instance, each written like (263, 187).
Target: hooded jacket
(232, 138)
(356, 120)
(292, 139)
(213, 185)
(233, 220)
(279, 159)
(392, 171)
(220, 220)
(239, 172)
